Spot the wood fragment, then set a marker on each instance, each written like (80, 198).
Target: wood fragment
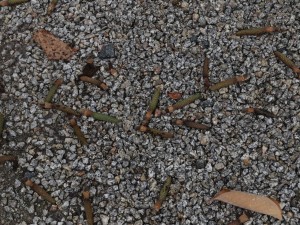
(163, 194)
(78, 132)
(228, 82)
(289, 63)
(156, 132)
(184, 102)
(257, 203)
(88, 207)
(152, 106)
(90, 80)
(259, 111)
(258, 31)
(12, 2)
(100, 116)
(40, 191)
(61, 108)
(206, 73)
(190, 124)
(51, 6)
(53, 90)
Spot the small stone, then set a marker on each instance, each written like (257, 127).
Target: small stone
(104, 219)
(219, 166)
(107, 51)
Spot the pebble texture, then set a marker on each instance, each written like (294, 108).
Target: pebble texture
(150, 43)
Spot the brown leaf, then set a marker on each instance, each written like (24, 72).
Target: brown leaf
(90, 69)
(54, 48)
(174, 95)
(257, 203)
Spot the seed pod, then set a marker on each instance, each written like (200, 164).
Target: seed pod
(78, 132)
(228, 82)
(53, 90)
(12, 2)
(62, 108)
(206, 73)
(259, 111)
(52, 6)
(287, 62)
(152, 106)
(257, 31)
(40, 191)
(155, 132)
(191, 124)
(99, 83)
(88, 207)
(1, 124)
(163, 194)
(100, 116)
(183, 102)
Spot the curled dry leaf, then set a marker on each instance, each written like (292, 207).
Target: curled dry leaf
(257, 203)
(174, 95)
(54, 48)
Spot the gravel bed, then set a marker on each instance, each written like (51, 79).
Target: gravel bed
(150, 43)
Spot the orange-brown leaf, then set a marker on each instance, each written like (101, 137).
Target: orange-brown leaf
(54, 48)
(174, 95)
(257, 203)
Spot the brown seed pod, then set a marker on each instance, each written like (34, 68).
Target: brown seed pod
(228, 82)
(88, 207)
(90, 80)
(78, 132)
(289, 63)
(259, 111)
(257, 31)
(40, 191)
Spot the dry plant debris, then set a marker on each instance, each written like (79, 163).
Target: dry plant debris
(174, 95)
(78, 132)
(152, 106)
(12, 2)
(88, 207)
(156, 132)
(163, 194)
(89, 69)
(228, 82)
(100, 116)
(98, 83)
(53, 90)
(51, 6)
(40, 191)
(289, 63)
(184, 102)
(54, 48)
(257, 31)
(257, 203)
(259, 111)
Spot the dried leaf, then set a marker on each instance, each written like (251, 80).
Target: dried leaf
(90, 69)
(257, 203)
(54, 48)
(174, 95)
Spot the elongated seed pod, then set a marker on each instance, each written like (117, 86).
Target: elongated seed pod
(88, 207)
(163, 193)
(100, 116)
(40, 191)
(152, 106)
(52, 6)
(78, 132)
(191, 124)
(61, 107)
(257, 31)
(5, 158)
(206, 73)
(287, 61)
(12, 2)
(53, 90)
(259, 111)
(156, 132)
(228, 82)
(90, 80)
(182, 103)
(1, 124)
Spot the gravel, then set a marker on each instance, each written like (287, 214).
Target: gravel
(150, 43)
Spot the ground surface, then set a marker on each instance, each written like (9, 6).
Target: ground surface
(156, 43)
